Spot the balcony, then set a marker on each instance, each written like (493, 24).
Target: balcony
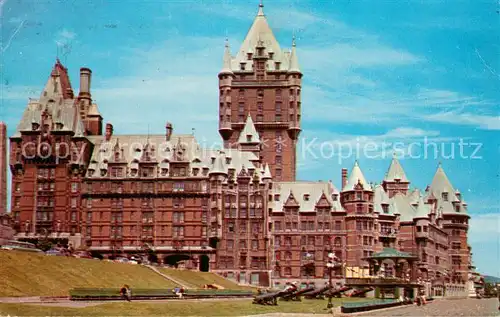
(388, 234)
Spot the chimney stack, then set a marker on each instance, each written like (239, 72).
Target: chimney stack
(85, 78)
(344, 177)
(168, 131)
(109, 131)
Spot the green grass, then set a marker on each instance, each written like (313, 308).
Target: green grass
(178, 308)
(195, 279)
(30, 274)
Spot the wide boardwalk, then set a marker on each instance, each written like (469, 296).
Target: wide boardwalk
(462, 307)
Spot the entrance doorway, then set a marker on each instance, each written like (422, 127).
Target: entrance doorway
(204, 263)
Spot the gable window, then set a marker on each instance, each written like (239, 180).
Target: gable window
(445, 196)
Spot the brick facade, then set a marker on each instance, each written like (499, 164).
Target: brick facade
(3, 168)
(238, 211)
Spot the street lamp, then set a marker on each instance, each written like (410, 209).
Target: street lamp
(330, 265)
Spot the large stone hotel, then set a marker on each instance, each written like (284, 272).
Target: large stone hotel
(238, 211)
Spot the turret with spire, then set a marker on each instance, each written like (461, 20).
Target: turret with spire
(395, 180)
(262, 79)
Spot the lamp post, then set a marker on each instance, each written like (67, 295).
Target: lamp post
(330, 265)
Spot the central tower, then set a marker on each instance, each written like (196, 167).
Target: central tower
(264, 82)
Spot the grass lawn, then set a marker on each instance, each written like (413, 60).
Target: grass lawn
(29, 274)
(196, 279)
(203, 308)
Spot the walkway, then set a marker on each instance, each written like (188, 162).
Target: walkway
(175, 281)
(444, 307)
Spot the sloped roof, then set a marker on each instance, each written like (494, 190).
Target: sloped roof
(423, 210)
(162, 152)
(313, 190)
(57, 101)
(249, 134)
(294, 61)
(260, 32)
(402, 205)
(441, 184)
(355, 177)
(395, 172)
(380, 198)
(388, 253)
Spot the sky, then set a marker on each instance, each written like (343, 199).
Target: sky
(376, 74)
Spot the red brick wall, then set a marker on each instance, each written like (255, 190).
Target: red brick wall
(3, 168)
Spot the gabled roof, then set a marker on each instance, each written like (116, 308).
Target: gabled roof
(57, 101)
(267, 172)
(307, 194)
(249, 134)
(380, 198)
(291, 201)
(356, 177)
(395, 172)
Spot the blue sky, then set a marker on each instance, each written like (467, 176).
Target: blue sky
(374, 71)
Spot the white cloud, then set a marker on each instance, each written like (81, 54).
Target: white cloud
(485, 228)
(64, 38)
(463, 118)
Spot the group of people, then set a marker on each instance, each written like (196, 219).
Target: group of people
(126, 293)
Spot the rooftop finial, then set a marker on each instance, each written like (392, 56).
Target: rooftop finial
(261, 9)
(226, 42)
(293, 39)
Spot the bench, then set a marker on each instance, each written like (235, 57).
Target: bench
(369, 305)
(103, 294)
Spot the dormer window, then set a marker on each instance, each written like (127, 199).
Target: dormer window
(385, 208)
(249, 138)
(228, 160)
(164, 171)
(242, 66)
(213, 160)
(271, 55)
(249, 56)
(276, 197)
(277, 65)
(445, 196)
(306, 197)
(335, 197)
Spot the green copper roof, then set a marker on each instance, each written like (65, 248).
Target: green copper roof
(391, 253)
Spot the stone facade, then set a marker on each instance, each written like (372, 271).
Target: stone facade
(238, 211)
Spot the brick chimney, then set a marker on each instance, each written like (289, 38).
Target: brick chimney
(109, 131)
(344, 177)
(168, 131)
(85, 78)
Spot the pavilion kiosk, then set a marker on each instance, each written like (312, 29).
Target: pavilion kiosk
(392, 275)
